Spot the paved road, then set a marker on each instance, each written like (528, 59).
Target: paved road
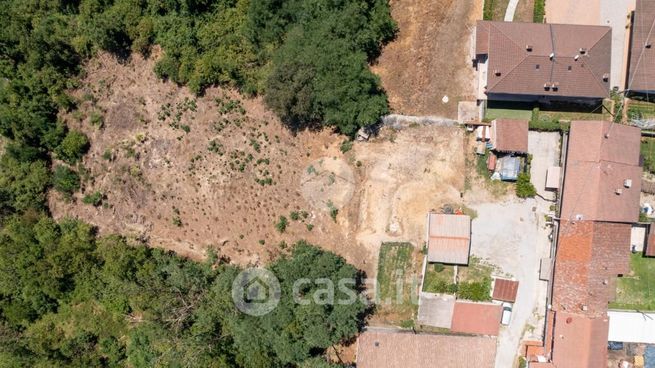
(513, 235)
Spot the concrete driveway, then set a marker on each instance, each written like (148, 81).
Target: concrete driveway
(513, 235)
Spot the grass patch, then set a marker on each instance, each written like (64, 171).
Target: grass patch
(539, 11)
(508, 111)
(494, 9)
(395, 268)
(637, 291)
(648, 152)
(439, 279)
(473, 281)
(641, 110)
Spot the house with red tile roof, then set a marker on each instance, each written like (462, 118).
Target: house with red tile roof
(538, 61)
(449, 238)
(395, 349)
(509, 136)
(600, 202)
(476, 318)
(641, 69)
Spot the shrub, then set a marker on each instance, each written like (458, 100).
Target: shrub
(65, 180)
(524, 188)
(73, 147)
(96, 119)
(477, 291)
(94, 199)
(310, 227)
(177, 221)
(295, 216)
(539, 11)
(488, 11)
(281, 225)
(346, 146)
(438, 267)
(333, 211)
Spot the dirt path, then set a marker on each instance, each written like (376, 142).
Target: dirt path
(430, 57)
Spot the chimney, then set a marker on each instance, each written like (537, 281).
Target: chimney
(528, 48)
(576, 57)
(618, 191)
(551, 56)
(582, 50)
(555, 86)
(546, 86)
(606, 77)
(497, 72)
(627, 183)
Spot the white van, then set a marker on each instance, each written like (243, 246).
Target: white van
(507, 314)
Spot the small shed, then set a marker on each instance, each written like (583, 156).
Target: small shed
(553, 177)
(509, 135)
(449, 238)
(508, 167)
(505, 290)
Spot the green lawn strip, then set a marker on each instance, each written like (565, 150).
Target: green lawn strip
(539, 11)
(637, 291)
(641, 110)
(648, 152)
(395, 263)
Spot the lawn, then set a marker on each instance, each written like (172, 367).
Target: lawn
(648, 152)
(638, 110)
(508, 110)
(396, 295)
(473, 281)
(637, 291)
(439, 278)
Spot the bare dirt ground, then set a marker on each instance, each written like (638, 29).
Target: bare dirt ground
(188, 173)
(430, 57)
(524, 11)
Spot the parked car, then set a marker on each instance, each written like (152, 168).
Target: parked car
(507, 314)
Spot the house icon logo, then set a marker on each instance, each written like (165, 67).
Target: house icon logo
(256, 291)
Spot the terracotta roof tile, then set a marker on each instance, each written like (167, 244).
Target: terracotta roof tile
(449, 238)
(589, 255)
(510, 135)
(505, 290)
(477, 318)
(600, 158)
(515, 68)
(580, 341)
(407, 350)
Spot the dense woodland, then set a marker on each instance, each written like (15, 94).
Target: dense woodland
(69, 298)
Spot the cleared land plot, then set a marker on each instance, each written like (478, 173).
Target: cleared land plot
(397, 283)
(637, 290)
(429, 58)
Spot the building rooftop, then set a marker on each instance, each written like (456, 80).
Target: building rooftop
(376, 349)
(602, 177)
(589, 256)
(510, 135)
(505, 290)
(477, 318)
(641, 72)
(449, 238)
(650, 243)
(546, 59)
(579, 341)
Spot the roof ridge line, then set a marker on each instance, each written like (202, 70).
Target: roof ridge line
(525, 55)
